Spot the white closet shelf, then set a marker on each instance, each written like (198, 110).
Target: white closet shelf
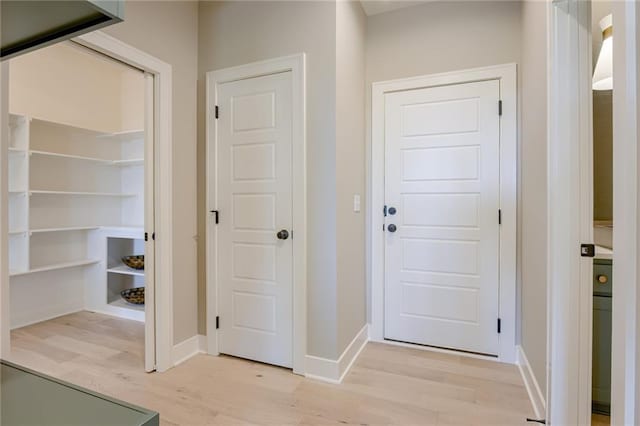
(132, 162)
(91, 194)
(120, 303)
(124, 135)
(17, 150)
(125, 270)
(56, 266)
(67, 229)
(69, 156)
(91, 159)
(17, 232)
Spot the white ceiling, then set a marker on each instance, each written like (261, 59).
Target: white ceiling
(374, 7)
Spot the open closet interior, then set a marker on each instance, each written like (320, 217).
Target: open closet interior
(76, 185)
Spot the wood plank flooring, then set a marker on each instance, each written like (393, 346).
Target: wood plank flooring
(387, 385)
(600, 420)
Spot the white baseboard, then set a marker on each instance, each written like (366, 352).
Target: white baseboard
(533, 388)
(188, 348)
(333, 371)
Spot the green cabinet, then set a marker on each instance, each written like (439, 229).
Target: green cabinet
(29, 398)
(30, 25)
(601, 367)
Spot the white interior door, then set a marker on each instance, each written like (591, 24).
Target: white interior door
(442, 193)
(254, 200)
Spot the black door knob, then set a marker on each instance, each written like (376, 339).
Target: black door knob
(283, 234)
(392, 211)
(392, 228)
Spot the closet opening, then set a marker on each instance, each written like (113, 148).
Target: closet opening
(81, 202)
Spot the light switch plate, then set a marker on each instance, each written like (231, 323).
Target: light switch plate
(356, 203)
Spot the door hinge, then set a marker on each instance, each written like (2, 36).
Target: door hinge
(499, 108)
(499, 216)
(384, 210)
(587, 250)
(217, 323)
(217, 215)
(146, 236)
(217, 112)
(499, 325)
(153, 236)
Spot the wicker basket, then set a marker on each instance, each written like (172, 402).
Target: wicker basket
(135, 296)
(135, 262)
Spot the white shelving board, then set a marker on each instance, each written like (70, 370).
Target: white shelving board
(68, 229)
(125, 270)
(119, 162)
(122, 309)
(80, 193)
(54, 267)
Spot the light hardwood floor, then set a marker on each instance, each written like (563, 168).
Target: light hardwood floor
(600, 420)
(387, 384)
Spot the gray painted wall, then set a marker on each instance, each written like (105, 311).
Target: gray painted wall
(439, 37)
(236, 33)
(168, 31)
(533, 155)
(350, 169)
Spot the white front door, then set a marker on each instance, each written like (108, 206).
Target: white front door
(253, 191)
(442, 192)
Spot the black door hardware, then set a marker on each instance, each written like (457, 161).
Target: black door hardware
(283, 234)
(392, 228)
(587, 250)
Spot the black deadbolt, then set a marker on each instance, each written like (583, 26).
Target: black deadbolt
(283, 234)
(392, 228)
(392, 211)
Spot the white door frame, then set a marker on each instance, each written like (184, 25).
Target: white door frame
(569, 189)
(625, 359)
(162, 72)
(295, 64)
(508, 193)
(570, 213)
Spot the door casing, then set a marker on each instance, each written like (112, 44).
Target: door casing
(295, 64)
(569, 339)
(162, 318)
(509, 182)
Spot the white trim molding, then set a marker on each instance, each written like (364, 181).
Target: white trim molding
(5, 334)
(531, 384)
(189, 348)
(506, 74)
(296, 65)
(334, 371)
(570, 214)
(625, 358)
(163, 191)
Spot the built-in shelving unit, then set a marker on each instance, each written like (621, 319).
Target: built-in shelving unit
(72, 192)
